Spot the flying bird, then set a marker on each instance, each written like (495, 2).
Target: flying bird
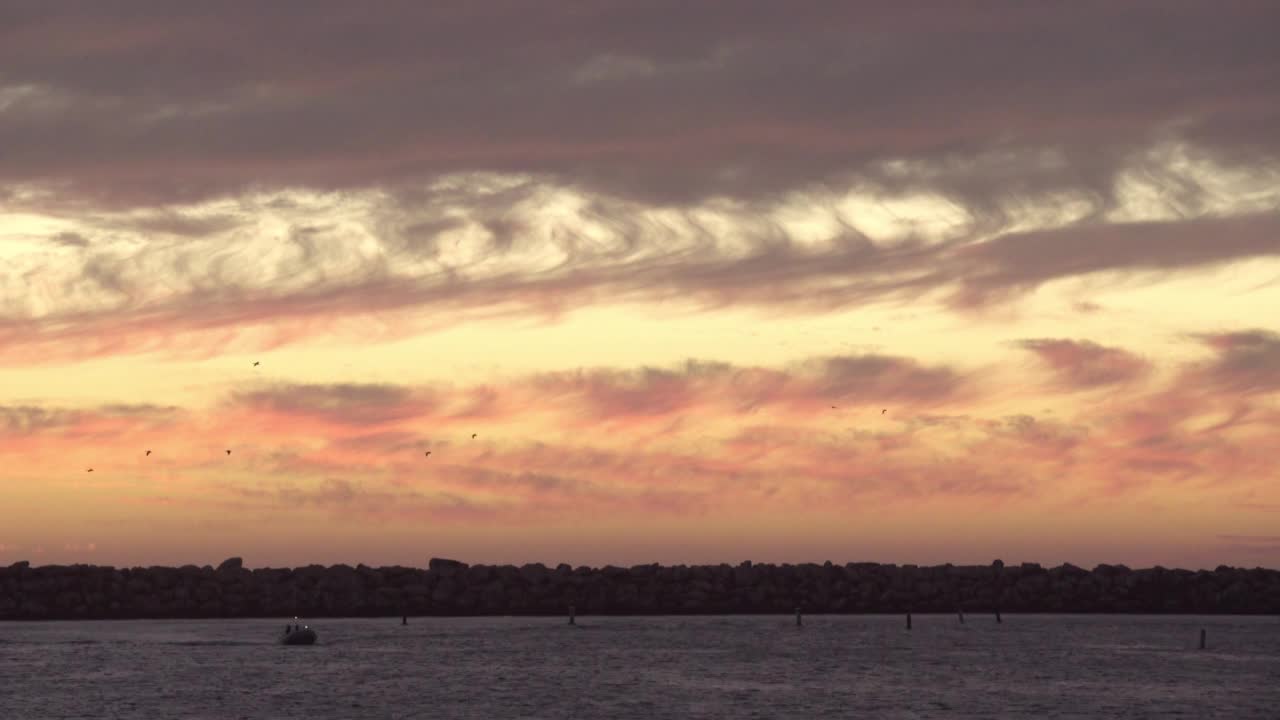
(148, 452)
(884, 411)
(255, 363)
(228, 452)
(89, 470)
(473, 436)
(427, 454)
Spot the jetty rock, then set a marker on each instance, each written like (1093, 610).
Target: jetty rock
(452, 587)
(445, 566)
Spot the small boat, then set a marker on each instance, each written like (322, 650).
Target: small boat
(298, 635)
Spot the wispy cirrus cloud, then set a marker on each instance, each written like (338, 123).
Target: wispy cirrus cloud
(758, 158)
(246, 289)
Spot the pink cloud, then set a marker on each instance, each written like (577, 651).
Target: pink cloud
(359, 405)
(1251, 544)
(679, 440)
(1085, 365)
(1248, 362)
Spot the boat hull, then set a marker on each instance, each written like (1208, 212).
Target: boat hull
(305, 636)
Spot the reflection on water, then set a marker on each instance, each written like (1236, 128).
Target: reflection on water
(647, 667)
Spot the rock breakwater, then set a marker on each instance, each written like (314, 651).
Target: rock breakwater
(448, 587)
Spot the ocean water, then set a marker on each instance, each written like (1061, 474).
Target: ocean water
(1031, 666)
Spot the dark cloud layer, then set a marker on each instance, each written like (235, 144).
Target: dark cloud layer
(147, 107)
(144, 102)
(1015, 263)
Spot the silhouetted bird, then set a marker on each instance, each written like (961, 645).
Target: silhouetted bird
(255, 363)
(884, 411)
(89, 470)
(148, 452)
(833, 407)
(473, 436)
(427, 454)
(228, 452)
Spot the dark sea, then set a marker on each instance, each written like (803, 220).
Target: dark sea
(1030, 666)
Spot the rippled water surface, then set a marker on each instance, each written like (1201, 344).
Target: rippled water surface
(648, 667)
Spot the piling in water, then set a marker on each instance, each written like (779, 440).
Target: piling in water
(797, 616)
(998, 620)
(572, 614)
(1201, 638)
(960, 614)
(908, 621)
(404, 620)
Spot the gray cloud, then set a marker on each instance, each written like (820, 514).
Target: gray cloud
(1016, 263)
(390, 441)
(682, 103)
(1085, 365)
(345, 498)
(343, 403)
(659, 392)
(1248, 361)
(603, 394)
(26, 419)
(149, 107)
(22, 420)
(170, 222)
(70, 239)
(879, 377)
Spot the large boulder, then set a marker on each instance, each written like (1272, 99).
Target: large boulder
(445, 566)
(534, 573)
(479, 575)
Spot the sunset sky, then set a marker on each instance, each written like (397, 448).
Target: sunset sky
(910, 282)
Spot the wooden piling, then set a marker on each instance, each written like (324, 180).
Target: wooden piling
(404, 620)
(960, 614)
(573, 612)
(908, 621)
(798, 616)
(998, 620)
(1201, 638)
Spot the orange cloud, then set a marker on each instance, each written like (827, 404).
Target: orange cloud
(695, 442)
